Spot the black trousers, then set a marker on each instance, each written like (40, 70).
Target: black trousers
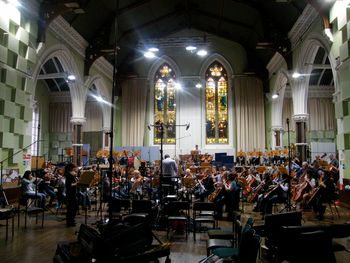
(72, 208)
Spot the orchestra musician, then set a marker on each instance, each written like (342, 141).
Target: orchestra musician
(323, 193)
(232, 196)
(170, 170)
(45, 186)
(28, 189)
(204, 186)
(70, 172)
(278, 193)
(136, 185)
(308, 184)
(259, 190)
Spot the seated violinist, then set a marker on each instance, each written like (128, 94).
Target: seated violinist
(205, 186)
(277, 194)
(137, 183)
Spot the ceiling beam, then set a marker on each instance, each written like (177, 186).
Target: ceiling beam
(48, 11)
(319, 66)
(149, 23)
(226, 20)
(127, 8)
(58, 75)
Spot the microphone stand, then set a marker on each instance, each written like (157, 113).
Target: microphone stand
(288, 205)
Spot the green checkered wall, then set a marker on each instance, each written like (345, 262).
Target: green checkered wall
(17, 60)
(340, 19)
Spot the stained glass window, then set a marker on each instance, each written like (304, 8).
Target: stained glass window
(165, 105)
(216, 108)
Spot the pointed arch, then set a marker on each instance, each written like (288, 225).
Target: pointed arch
(100, 84)
(222, 60)
(163, 59)
(304, 62)
(77, 89)
(277, 104)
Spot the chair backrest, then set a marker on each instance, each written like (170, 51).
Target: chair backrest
(141, 206)
(203, 206)
(274, 222)
(313, 246)
(177, 208)
(118, 204)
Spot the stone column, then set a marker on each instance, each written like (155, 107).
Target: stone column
(300, 129)
(277, 134)
(106, 138)
(77, 139)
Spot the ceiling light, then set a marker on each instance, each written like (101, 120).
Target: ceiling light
(178, 86)
(153, 49)
(296, 75)
(202, 52)
(149, 54)
(99, 98)
(191, 48)
(275, 96)
(71, 77)
(198, 85)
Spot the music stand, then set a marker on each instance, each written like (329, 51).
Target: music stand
(85, 180)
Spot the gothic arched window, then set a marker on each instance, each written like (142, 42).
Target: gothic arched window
(165, 104)
(216, 108)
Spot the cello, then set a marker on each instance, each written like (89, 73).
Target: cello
(317, 190)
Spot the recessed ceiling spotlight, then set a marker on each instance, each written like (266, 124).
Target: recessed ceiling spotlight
(149, 54)
(153, 49)
(191, 48)
(202, 52)
(198, 85)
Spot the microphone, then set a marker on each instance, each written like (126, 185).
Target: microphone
(287, 120)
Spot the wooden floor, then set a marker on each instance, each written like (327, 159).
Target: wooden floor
(36, 244)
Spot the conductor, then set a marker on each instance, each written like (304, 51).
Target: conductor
(169, 173)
